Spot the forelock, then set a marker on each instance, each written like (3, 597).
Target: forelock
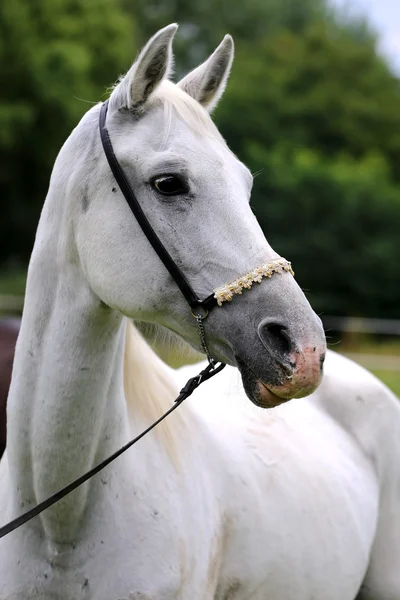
(172, 98)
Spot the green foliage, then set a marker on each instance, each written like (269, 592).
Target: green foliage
(390, 378)
(321, 125)
(320, 89)
(52, 53)
(338, 221)
(204, 23)
(310, 106)
(13, 282)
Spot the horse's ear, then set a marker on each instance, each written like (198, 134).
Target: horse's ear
(154, 63)
(206, 84)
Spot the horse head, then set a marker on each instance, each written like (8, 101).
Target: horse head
(195, 193)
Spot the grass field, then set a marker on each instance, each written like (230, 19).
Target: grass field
(391, 378)
(13, 282)
(380, 355)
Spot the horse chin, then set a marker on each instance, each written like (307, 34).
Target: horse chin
(257, 391)
(262, 396)
(266, 398)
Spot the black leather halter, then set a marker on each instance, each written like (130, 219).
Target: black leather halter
(199, 309)
(193, 300)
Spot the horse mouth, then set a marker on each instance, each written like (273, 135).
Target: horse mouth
(266, 398)
(257, 390)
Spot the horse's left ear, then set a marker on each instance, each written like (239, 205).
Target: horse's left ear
(153, 64)
(206, 84)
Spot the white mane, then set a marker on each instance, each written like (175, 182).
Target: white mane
(150, 390)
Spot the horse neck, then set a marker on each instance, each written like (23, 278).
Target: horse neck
(84, 382)
(66, 406)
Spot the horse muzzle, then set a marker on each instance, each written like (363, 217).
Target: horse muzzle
(290, 369)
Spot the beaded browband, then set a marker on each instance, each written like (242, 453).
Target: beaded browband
(226, 292)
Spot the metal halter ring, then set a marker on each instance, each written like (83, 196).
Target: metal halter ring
(196, 315)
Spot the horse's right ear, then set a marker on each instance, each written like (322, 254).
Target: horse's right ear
(153, 64)
(206, 84)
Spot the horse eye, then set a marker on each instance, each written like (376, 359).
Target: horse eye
(170, 185)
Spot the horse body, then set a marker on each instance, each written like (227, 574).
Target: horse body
(317, 480)
(248, 503)
(278, 505)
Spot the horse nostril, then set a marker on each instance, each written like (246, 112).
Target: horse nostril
(275, 337)
(280, 337)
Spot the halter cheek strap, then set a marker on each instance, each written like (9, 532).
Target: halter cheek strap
(199, 308)
(193, 300)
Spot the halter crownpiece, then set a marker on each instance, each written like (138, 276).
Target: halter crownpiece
(225, 293)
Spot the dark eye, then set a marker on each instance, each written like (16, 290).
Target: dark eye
(170, 185)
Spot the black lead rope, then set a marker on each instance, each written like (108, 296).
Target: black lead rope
(200, 309)
(185, 392)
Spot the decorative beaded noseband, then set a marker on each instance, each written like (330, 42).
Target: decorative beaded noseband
(225, 293)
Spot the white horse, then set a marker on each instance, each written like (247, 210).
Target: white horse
(224, 500)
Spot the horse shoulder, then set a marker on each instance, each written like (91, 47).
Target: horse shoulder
(370, 413)
(361, 404)
(293, 465)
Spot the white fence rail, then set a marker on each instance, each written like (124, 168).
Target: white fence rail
(10, 303)
(381, 362)
(359, 325)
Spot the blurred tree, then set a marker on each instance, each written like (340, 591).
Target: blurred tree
(338, 220)
(320, 122)
(321, 89)
(203, 24)
(310, 106)
(52, 54)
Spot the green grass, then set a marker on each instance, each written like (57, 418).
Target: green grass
(369, 344)
(12, 289)
(390, 378)
(13, 282)
(380, 347)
